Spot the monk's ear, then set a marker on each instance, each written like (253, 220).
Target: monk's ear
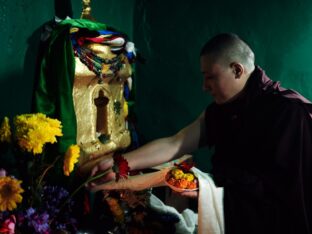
(237, 69)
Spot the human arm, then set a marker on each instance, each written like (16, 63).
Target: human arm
(168, 148)
(163, 149)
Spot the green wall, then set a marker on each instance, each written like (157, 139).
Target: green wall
(169, 34)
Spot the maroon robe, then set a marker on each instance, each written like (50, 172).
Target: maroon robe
(263, 152)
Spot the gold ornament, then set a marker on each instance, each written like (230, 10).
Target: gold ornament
(86, 10)
(101, 124)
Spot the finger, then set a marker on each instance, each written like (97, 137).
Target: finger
(108, 177)
(192, 194)
(101, 166)
(105, 164)
(94, 170)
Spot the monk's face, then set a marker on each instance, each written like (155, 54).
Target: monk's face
(220, 80)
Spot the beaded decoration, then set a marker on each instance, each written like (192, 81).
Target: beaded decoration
(94, 62)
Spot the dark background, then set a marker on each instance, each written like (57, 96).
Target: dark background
(169, 34)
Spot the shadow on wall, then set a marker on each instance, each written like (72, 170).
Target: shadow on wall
(19, 84)
(13, 100)
(37, 42)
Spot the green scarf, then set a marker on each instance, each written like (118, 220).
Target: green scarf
(53, 93)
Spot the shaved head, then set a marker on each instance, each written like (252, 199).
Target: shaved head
(228, 48)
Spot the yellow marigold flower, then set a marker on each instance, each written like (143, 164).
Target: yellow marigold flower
(5, 131)
(189, 177)
(10, 193)
(71, 158)
(177, 173)
(33, 131)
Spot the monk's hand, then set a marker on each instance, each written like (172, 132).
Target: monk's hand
(189, 194)
(103, 167)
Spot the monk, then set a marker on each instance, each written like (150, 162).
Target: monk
(262, 139)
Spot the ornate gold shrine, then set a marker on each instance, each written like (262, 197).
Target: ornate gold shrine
(100, 106)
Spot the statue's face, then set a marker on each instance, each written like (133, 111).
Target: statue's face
(99, 103)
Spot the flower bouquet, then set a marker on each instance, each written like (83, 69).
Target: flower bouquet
(33, 197)
(39, 192)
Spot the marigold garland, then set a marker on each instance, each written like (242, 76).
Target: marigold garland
(33, 131)
(71, 158)
(10, 193)
(5, 131)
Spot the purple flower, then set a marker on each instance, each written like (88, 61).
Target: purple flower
(29, 212)
(39, 222)
(54, 197)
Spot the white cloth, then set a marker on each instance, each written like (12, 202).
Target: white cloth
(210, 205)
(188, 219)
